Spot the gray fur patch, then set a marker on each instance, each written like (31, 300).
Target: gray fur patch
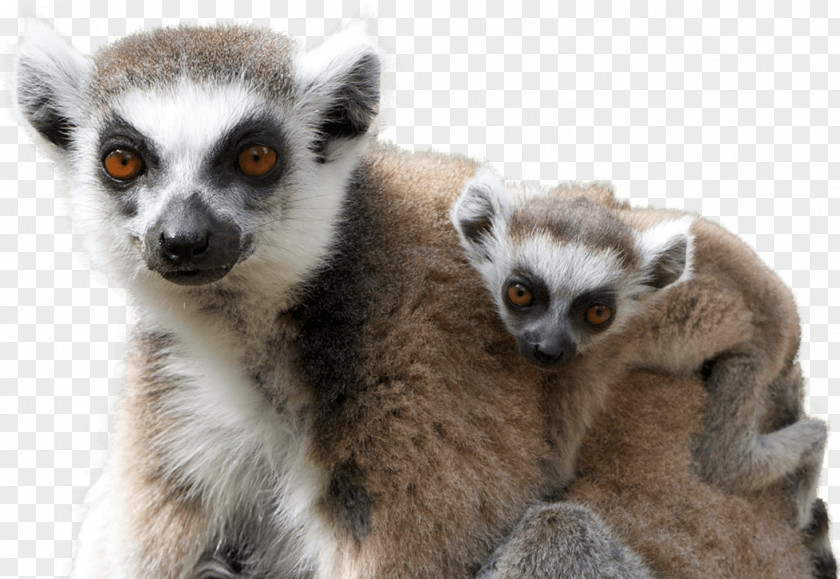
(563, 540)
(574, 220)
(349, 500)
(259, 58)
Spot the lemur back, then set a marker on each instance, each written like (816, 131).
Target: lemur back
(644, 434)
(588, 285)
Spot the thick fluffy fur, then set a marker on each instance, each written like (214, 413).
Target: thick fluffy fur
(737, 323)
(342, 403)
(636, 471)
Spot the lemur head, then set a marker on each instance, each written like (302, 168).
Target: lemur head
(197, 154)
(564, 271)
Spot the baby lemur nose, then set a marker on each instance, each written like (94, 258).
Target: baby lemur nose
(548, 355)
(550, 352)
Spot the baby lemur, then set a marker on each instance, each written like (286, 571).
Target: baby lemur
(587, 285)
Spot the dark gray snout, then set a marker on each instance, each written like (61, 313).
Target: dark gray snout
(191, 245)
(184, 246)
(548, 348)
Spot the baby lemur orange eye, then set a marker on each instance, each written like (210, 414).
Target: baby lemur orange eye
(256, 161)
(123, 165)
(598, 315)
(519, 295)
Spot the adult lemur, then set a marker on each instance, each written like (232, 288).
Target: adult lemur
(315, 387)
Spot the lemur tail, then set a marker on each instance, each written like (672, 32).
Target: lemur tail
(817, 541)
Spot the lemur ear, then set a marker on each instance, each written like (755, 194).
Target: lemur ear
(484, 203)
(340, 79)
(50, 80)
(666, 251)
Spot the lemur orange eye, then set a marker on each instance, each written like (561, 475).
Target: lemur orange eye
(256, 161)
(598, 315)
(519, 295)
(123, 165)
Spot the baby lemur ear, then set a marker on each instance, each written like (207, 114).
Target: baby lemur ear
(50, 79)
(666, 251)
(484, 204)
(340, 81)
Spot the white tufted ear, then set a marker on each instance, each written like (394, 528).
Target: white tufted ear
(50, 80)
(666, 252)
(340, 79)
(484, 204)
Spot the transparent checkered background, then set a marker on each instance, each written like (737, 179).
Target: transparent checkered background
(727, 109)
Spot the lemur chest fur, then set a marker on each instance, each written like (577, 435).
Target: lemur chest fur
(237, 429)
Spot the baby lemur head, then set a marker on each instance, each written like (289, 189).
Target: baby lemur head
(565, 272)
(203, 158)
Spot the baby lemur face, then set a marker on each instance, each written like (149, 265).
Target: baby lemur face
(564, 271)
(226, 168)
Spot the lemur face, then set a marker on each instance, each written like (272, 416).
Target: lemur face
(551, 321)
(185, 172)
(191, 174)
(564, 271)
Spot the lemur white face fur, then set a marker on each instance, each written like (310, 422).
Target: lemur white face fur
(193, 178)
(564, 272)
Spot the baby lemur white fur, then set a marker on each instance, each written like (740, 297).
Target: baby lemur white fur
(314, 387)
(584, 283)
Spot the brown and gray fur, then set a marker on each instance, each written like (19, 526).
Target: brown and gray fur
(636, 471)
(737, 323)
(565, 539)
(342, 402)
(687, 297)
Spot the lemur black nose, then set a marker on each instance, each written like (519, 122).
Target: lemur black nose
(192, 243)
(183, 246)
(548, 356)
(548, 350)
